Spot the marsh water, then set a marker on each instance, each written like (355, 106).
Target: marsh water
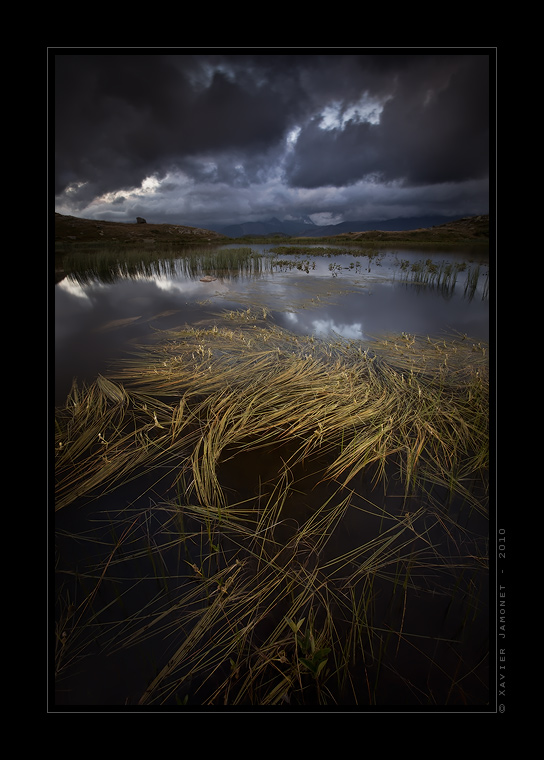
(101, 308)
(105, 305)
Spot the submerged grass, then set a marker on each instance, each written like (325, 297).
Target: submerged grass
(261, 599)
(108, 264)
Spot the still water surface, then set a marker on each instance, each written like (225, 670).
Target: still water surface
(102, 311)
(360, 296)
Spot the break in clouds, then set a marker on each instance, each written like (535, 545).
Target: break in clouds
(222, 138)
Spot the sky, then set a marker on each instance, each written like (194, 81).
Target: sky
(215, 137)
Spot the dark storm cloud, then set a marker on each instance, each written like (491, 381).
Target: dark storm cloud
(434, 128)
(242, 121)
(120, 118)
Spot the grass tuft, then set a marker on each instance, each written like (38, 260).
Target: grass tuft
(309, 482)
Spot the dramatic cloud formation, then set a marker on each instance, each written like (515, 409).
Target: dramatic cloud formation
(212, 139)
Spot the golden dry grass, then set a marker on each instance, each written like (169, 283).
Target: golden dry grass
(279, 606)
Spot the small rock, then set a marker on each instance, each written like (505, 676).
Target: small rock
(141, 220)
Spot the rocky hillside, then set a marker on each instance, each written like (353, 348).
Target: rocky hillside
(72, 229)
(469, 229)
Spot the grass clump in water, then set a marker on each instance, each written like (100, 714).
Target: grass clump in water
(307, 481)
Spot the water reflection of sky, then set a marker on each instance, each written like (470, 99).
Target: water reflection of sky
(354, 297)
(393, 308)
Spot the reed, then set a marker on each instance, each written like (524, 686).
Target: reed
(443, 276)
(255, 597)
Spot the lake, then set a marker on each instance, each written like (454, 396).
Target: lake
(390, 590)
(355, 296)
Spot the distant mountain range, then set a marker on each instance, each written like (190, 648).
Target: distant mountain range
(70, 231)
(304, 227)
